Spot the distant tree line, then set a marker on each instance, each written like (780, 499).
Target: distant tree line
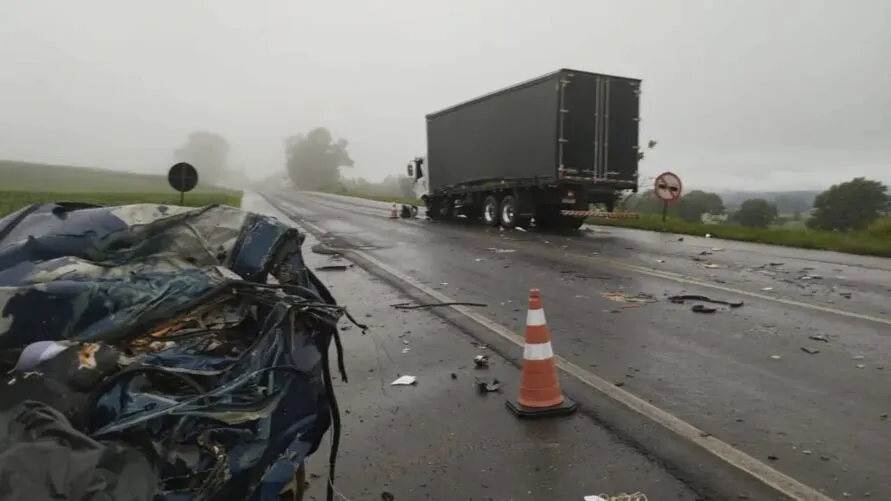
(208, 152)
(850, 206)
(314, 161)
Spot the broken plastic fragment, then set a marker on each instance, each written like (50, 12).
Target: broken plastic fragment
(487, 385)
(404, 381)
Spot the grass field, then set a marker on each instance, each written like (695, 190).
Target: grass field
(873, 243)
(24, 183)
(876, 242)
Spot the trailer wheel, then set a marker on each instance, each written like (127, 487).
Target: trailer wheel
(510, 217)
(491, 211)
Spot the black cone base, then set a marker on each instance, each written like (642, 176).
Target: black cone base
(564, 409)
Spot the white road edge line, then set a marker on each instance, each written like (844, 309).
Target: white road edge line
(722, 450)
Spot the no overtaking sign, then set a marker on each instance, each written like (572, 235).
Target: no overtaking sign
(668, 187)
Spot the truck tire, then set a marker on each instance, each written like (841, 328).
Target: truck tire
(509, 213)
(491, 211)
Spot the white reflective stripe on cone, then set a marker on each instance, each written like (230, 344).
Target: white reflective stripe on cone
(534, 318)
(540, 351)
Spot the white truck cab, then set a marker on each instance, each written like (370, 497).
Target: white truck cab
(415, 170)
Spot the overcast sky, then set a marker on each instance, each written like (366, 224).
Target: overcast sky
(739, 93)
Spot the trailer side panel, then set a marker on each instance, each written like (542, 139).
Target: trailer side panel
(512, 134)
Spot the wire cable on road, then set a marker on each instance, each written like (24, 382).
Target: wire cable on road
(410, 306)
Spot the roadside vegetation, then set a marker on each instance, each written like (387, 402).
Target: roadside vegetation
(848, 217)
(23, 183)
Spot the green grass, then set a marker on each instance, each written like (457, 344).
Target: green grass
(23, 183)
(11, 201)
(871, 243)
(25, 176)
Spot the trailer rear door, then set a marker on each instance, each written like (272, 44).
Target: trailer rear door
(599, 126)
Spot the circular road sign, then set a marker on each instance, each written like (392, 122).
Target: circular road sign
(668, 187)
(182, 177)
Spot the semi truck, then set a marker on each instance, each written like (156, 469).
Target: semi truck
(546, 149)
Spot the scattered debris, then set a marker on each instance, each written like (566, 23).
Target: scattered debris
(410, 306)
(846, 295)
(767, 289)
(386, 496)
(406, 349)
(636, 496)
(680, 239)
(501, 251)
(621, 297)
(487, 384)
(700, 308)
(334, 267)
(711, 266)
(481, 361)
(819, 337)
(660, 260)
(774, 264)
(708, 235)
(405, 381)
(859, 357)
(705, 253)
(775, 357)
(810, 351)
(773, 458)
(520, 229)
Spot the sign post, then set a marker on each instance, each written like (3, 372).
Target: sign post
(182, 177)
(668, 188)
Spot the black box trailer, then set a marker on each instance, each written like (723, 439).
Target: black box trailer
(544, 148)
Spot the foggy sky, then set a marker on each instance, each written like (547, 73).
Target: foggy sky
(781, 94)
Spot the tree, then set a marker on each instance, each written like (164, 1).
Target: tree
(849, 206)
(755, 213)
(693, 205)
(208, 153)
(314, 160)
(690, 207)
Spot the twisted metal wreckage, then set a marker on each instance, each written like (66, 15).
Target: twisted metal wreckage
(184, 351)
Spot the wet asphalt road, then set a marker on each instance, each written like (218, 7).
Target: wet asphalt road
(441, 439)
(742, 375)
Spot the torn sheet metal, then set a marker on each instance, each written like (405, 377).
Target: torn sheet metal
(222, 375)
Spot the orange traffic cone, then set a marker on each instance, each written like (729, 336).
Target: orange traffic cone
(393, 213)
(540, 394)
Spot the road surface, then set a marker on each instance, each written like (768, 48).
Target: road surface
(790, 387)
(442, 439)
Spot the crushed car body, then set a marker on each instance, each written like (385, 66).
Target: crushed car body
(221, 372)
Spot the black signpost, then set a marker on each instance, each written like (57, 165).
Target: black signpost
(182, 177)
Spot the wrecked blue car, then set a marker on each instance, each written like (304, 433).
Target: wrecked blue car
(168, 364)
